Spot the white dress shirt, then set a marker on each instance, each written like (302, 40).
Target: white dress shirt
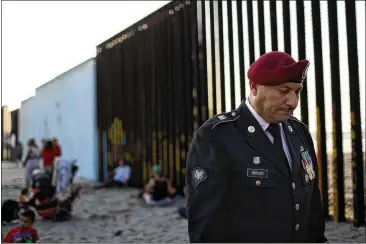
(264, 124)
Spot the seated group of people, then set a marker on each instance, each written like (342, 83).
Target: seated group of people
(158, 190)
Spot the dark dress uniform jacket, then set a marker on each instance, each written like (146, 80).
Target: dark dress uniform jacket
(241, 190)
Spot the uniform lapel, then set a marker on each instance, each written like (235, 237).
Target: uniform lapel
(294, 145)
(258, 140)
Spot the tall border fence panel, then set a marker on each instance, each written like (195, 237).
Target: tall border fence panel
(163, 77)
(151, 93)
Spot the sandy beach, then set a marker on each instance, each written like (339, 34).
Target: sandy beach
(115, 216)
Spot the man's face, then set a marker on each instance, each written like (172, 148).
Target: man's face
(276, 103)
(24, 222)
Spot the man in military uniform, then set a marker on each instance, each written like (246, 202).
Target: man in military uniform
(252, 173)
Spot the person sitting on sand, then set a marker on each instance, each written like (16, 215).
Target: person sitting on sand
(119, 176)
(159, 190)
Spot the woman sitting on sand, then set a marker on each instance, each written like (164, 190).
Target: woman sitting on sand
(159, 190)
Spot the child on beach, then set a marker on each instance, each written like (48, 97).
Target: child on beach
(24, 232)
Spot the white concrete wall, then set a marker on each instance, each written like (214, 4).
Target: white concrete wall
(65, 108)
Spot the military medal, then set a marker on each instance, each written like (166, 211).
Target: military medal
(310, 171)
(307, 164)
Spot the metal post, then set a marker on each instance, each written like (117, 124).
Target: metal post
(320, 111)
(302, 55)
(286, 25)
(202, 58)
(337, 160)
(356, 132)
(239, 8)
(213, 57)
(262, 35)
(250, 31)
(273, 16)
(231, 53)
(222, 53)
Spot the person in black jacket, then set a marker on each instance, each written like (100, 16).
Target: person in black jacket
(252, 173)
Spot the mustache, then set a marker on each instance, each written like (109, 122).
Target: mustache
(289, 109)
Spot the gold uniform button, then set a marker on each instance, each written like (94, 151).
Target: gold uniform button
(258, 182)
(297, 206)
(293, 185)
(297, 227)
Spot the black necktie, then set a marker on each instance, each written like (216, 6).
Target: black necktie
(274, 129)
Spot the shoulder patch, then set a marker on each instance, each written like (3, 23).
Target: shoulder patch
(225, 117)
(199, 175)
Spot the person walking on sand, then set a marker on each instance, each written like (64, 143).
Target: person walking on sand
(48, 156)
(31, 161)
(18, 153)
(56, 147)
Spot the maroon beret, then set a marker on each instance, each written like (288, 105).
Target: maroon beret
(275, 68)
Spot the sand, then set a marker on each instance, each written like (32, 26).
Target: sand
(114, 215)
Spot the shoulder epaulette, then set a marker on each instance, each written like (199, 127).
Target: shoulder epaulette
(225, 117)
(293, 118)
